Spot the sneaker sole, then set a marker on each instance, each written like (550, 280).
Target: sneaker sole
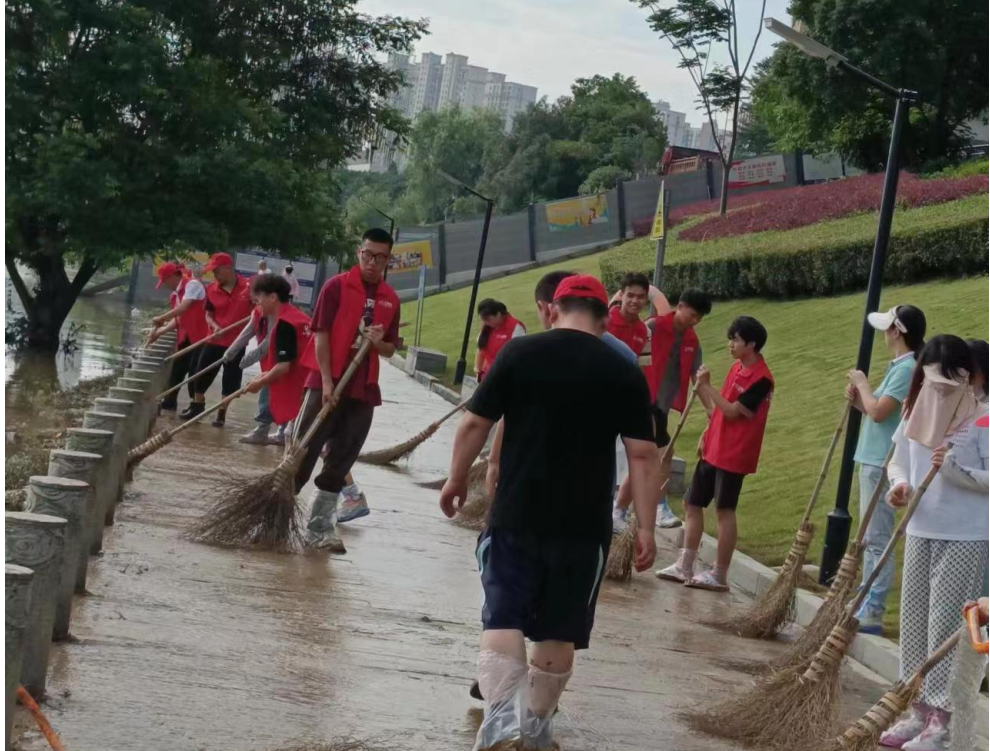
(253, 441)
(351, 517)
(707, 587)
(670, 578)
(670, 525)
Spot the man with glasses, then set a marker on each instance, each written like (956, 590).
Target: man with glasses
(347, 301)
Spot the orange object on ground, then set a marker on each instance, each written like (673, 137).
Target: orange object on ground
(972, 614)
(46, 729)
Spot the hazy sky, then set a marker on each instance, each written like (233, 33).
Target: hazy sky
(549, 43)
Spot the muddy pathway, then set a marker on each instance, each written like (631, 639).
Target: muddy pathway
(182, 647)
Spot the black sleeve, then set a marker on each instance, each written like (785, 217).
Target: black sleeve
(751, 397)
(635, 419)
(490, 400)
(209, 305)
(286, 349)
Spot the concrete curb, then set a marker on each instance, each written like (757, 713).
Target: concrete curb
(881, 656)
(427, 380)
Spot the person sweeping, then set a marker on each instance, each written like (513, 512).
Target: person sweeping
(228, 300)
(730, 451)
(497, 327)
(355, 298)
(187, 317)
(543, 553)
(945, 556)
(903, 328)
(675, 356)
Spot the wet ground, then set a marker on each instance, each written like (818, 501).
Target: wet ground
(182, 647)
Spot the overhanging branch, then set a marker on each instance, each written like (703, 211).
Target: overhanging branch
(27, 299)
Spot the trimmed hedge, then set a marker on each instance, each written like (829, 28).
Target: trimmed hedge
(952, 250)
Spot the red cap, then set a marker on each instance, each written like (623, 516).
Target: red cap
(217, 260)
(166, 270)
(581, 285)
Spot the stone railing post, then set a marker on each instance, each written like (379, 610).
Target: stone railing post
(91, 441)
(143, 413)
(123, 407)
(35, 541)
(64, 498)
(82, 466)
(17, 599)
(117, 424)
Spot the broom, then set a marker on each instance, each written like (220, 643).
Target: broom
(205, 340)
(775, 608)
(478, 471)
(474, 514)
(389, 455)
(833, 607)
(263, 511)
(791, 708)
(864, 734)
(178, 386)
(618, 567)
(161, 440)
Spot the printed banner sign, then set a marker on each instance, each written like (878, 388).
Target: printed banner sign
(577, 213)
(410, 256)
(762, 170)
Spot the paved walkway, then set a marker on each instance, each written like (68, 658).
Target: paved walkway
(184, 647)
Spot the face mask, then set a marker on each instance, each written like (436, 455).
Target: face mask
(942, 407)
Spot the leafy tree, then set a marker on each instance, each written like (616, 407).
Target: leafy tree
(602, 179)
(136, 125)
(937, 49)
(692, 27)
(754, 137)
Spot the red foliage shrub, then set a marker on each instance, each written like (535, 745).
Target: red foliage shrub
(800, 206)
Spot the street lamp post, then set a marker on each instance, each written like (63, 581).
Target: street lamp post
(461, 367)
(839, 519)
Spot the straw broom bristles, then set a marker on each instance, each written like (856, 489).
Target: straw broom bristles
(477, 471)
(474, 514)
(394, 453)
(618, 567)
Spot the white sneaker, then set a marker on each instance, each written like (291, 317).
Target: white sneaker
(706, 580)
(257, 436)
(321, 530)
(673, 573)
(907, 729)
(619, 520)
(667, 519)
(935, 736)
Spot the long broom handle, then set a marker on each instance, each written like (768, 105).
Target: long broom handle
(222, 404)
(864, 523)
(820, 482)
(899, 532)
(214, 335)
(680, 425)
(46, 728)
(939, 654)
(450, 414)
(193, 377)
(971, 614)
(338, 391)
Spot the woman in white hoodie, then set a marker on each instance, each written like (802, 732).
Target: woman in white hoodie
(945, 556)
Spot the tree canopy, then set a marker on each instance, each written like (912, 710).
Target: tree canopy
(135, 125)
(937, 49)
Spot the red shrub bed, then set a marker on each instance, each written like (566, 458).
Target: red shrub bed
(800, 206)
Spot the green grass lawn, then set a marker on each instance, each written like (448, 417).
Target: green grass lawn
(812, 343)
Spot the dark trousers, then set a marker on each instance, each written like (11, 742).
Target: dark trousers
(343, 433)
(232, 373)
(181, 367)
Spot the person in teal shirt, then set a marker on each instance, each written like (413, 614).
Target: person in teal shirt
(904, 335)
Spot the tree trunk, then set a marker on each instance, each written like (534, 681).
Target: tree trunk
(723, 199)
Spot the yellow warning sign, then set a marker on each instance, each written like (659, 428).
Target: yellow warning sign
(657, 232)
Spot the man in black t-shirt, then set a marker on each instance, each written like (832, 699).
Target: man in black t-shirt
(564, 396)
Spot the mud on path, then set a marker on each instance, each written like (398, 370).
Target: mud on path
(184, 647)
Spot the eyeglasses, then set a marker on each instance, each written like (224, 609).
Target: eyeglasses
(368, 257)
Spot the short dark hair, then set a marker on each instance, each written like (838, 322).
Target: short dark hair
(949, 353)
(378, 235)
(915, 323)
(271, 284)
(547, 286)
(490, 307)
(699, 301)
(596, 308)
(981, 355)
(748, 329)
(634, 279)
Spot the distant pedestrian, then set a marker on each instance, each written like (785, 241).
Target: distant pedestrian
(497, 328)
(187, 318)
(263, 267)
(289, 273)
(903, 328)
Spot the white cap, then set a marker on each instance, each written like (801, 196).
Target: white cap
(883, 321)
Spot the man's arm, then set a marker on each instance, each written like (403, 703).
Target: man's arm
(240, 342)
(322, 345)
(732, 411)
(644, 479)
(876, 409)
(157, 331)
(277, 372)
(494, 455)
(468, 442)
(175, 312)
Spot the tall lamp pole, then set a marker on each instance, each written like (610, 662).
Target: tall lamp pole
(461, 367)
(839, 520)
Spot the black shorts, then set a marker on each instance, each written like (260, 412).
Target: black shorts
(711, 482)
(545, 588)
(660, 434)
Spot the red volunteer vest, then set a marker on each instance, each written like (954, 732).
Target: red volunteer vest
(497, 339)
(660, 345)
(192, 323)
(735, 446)
(285, 394)
(349, 317)
(229, 307)
(633, 334)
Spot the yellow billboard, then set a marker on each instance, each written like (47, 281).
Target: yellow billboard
(410, 256)
(577, 213)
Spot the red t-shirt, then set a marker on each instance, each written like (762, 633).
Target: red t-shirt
(326, 309)
(633, 334)
(735, 446)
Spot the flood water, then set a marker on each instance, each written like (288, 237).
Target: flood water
(184, 647)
